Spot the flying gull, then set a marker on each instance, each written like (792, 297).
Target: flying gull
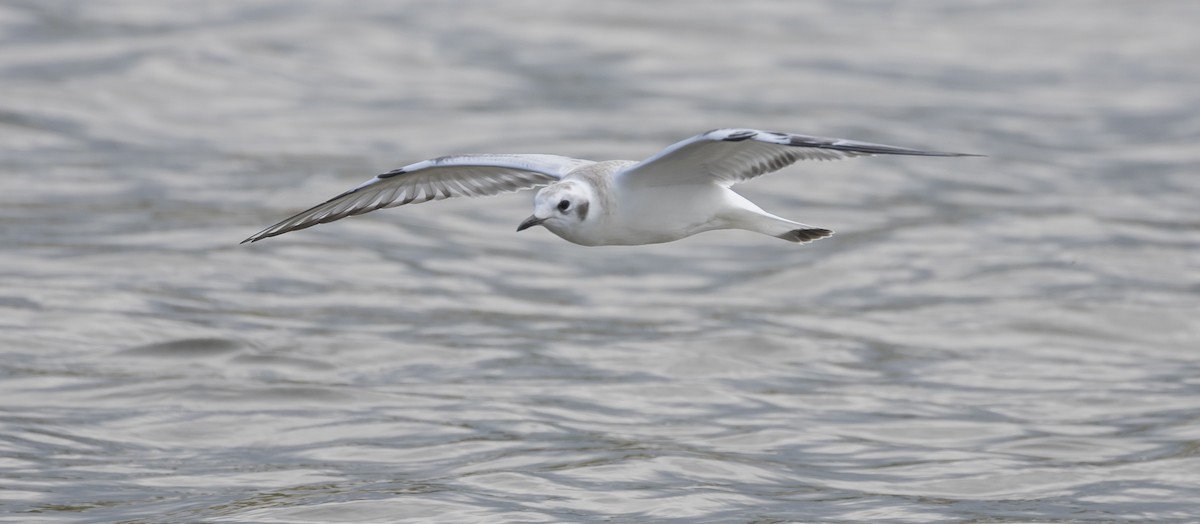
(681, 191)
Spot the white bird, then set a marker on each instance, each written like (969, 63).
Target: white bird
(681, 191)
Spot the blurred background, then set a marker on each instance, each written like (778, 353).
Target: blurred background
(1002, 339)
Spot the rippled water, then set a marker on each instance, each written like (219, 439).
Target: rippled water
(1006, 339)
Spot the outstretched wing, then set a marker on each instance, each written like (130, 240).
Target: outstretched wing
(444, 177)
(729, 156)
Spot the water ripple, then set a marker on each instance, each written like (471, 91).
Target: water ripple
(1008, 339)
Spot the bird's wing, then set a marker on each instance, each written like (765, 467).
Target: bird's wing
(444, 177)
(729, 156)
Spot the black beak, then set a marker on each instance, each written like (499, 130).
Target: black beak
(530, 222)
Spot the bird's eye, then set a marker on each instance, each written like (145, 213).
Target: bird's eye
(562, 206)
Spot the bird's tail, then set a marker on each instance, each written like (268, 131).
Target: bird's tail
(806, 234)
(762, 222)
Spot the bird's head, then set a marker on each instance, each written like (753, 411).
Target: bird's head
(561, 207)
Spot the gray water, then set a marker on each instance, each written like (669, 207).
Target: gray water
(1002, 339)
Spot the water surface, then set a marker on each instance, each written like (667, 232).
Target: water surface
(1008, 339)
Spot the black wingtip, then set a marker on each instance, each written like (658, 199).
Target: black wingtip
(879, 149)
(257, 236)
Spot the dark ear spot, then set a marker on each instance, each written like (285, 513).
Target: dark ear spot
(582, 209)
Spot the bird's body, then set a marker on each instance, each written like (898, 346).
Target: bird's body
(625, 216)
(681, 191)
